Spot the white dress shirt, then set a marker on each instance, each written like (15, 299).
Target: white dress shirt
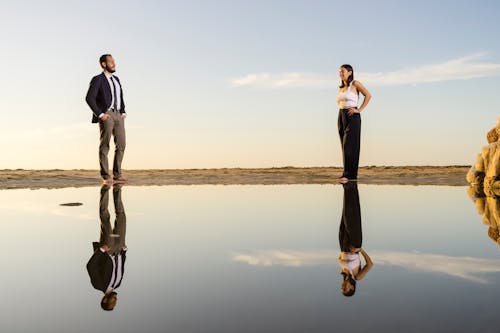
(118, 93)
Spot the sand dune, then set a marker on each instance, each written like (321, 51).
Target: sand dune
(403, 175)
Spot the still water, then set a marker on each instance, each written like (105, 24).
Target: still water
(247, 259)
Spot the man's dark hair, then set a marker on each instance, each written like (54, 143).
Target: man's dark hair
(103, 58)
(105, 301)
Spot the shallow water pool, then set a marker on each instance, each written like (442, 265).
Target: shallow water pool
(248, 259)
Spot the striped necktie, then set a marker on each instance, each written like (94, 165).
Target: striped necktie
(115, 271)
(114, 94)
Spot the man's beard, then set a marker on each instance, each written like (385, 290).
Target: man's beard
(110, 70)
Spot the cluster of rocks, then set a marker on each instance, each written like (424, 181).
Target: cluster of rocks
(489, 209)
(484, 180)
(485, 173)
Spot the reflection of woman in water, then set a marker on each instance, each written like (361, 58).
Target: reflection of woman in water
(350, 239)
(349, 122)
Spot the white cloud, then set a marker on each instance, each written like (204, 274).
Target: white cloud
(464, 68)
(467, 268)
(286, 80)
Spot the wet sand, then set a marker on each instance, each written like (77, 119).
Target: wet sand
(381, 175)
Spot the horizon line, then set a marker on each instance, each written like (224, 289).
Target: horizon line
(250, 168)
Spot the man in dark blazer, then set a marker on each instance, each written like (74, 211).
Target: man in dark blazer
(105, 98)
(107, 265)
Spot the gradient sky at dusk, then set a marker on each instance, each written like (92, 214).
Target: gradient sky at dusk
(249, 83)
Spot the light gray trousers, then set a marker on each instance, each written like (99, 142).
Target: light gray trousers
(114, 125)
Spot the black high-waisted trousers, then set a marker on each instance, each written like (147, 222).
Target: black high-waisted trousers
(350, 137)
(350, 234)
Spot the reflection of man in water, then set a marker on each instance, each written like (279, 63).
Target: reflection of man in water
(107, 264)
(350, 239)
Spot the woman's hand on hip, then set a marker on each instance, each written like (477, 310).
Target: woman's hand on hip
(355, 249)
(352, 111)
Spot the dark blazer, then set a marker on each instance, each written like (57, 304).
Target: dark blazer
(99, 96)
(100, 269)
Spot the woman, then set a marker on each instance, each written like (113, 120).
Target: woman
(350, 239)
(351, 270)
(349, 123)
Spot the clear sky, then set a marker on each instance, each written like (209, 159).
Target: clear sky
(249, 83)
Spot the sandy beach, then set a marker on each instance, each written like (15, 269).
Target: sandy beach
(381, 175)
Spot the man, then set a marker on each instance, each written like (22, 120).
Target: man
(107, 265)
(105, 98)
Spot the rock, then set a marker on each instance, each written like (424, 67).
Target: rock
(489, 209)
(486, 171)
(484, 177)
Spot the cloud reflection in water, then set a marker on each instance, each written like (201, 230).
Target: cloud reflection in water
(467, 268)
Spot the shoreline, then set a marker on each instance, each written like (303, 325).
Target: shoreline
(453, 175)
